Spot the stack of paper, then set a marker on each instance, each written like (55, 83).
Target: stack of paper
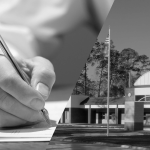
(38, 132)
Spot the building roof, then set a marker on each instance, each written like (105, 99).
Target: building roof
(143, 80)
(103, 101)
(85, 101)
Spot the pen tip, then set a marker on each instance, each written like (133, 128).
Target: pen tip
(46, 115)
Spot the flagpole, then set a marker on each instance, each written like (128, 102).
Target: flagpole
(108, 88)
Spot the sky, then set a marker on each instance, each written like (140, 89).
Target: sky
(129, 22)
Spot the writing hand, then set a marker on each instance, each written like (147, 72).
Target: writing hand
(20, 104)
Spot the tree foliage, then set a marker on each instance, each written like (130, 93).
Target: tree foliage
(122, 64)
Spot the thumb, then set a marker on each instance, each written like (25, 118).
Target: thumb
(42, 75)
(43, 89)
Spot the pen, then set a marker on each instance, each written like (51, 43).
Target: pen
(22, 74)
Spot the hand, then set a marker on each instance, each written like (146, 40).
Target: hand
(20, 103)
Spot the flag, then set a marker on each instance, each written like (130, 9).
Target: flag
(107, 42)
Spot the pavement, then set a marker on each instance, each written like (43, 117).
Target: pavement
(82, 146)
(87, 137)
(77, 134)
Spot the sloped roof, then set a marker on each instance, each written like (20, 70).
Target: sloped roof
(143, 80)
(85, 101)
(103, 101)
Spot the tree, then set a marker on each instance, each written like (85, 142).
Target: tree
(133, 63)
(82, 84)
(79, 87)
(125, 66)
(98, 57)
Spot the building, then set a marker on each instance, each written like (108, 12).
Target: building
(134, 108)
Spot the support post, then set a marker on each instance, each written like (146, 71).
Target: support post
(89, 114)
(134, 112)
(116, 114)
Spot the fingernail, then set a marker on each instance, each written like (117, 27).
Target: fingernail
(37, 104)
(43, 90)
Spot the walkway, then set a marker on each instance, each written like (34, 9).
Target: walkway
(84, 135)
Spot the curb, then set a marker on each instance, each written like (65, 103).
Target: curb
(108, 144)
(90, 125)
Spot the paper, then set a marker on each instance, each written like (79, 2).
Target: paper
(38, 132)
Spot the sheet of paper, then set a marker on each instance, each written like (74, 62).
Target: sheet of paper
(38, 132)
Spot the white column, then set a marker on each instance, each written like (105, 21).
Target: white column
(97, 118)
(89, 114)
(116, 114)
